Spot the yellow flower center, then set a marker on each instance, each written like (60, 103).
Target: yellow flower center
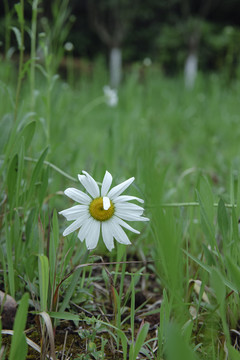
(97, 211)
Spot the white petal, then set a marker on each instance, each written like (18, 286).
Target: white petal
(93, 235)
(124, 224)
(90, 184)
(74, 212)
(122, 212)
(117, 190)
(128, 206)
(78, 196)
(106, 203)
(107, 182)
(80, 235)
(119, 234)
(124, 198)
(75, 225)
(107, 235)
(83, 232)
(130, 216)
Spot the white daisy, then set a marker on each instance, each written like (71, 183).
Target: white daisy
(111, 96)
(102, 210)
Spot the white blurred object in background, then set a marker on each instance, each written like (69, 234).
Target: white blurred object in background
(190, 70)
(115, 67)
(147, 62)
(111, 96)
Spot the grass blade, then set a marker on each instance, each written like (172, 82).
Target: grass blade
(10, 267)
(36, 172)
(18, 349)
(43, 269)
(142, 334)
(48, 323)
(12, 176)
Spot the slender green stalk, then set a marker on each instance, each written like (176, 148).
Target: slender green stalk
(90, 106)
(20, 67)
(33, 51)
(50, 82)
(188, 204)
(18, 349)
(7, 26)
(132, 317)
(54, 167)
(48, 112)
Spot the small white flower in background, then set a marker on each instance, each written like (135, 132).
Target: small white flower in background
(68, 46)
(147, 62)
(102, 211)
(110, 95)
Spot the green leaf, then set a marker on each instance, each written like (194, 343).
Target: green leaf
(208, 269)
(12, 176)
(210, 259)
(176, 345)
(233, 353)
(207, 199)
(27, 66)
(64, 316)
(217, 283)
(30, 223)
(207, 224)
(234, 271)
(238, 196)
(70, 289)
(165, 317)
(36, 173)
(10, 267)
(140, 339)
(223, 222)
(68, 251)
(6, 124)
(19, 10)
(232, 187)
(43, 185)
(164, 314)
(43, 270)
(43, 71)
(199, 262)
(18, 36)
(54, 240)
(55, 229)
(20, 172)
(124, 342)
(235, 233)
(74, 280)
(132, 314)
(15, 236)
(28, 132)
(18, 349)
(187, 330)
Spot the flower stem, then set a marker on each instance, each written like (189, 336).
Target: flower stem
(92, 105)
(33, 51)
(187, 204)
(20, 67)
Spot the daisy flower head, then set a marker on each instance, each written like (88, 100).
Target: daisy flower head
(102, 211)
(111, 96)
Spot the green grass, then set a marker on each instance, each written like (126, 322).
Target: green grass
(183, 149)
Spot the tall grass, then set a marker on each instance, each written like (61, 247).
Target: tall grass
(183, 149)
